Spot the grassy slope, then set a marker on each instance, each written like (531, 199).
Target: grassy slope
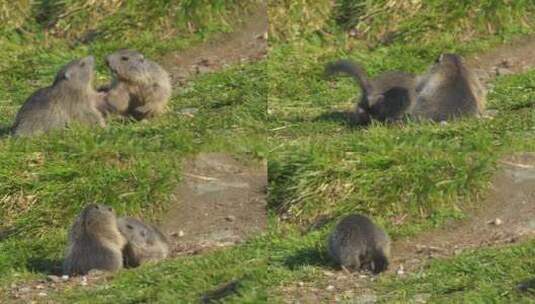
(320, 166)
(313, 163)
(45, 181)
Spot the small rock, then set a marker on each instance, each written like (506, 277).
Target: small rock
(190, 112)
(181, 233)
(443, 123)
(400, 270)
(330, 288)
(39, 286)
(328, 273)
(230, 218)
(496, 222)
(83, 282)
(42, 294)
(458, 251)
(54, 278)
(301, 284)
(24, 289)
(64, 277)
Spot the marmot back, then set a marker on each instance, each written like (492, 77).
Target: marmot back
(141, 88)
(71, 98)
(386, 97)
(357, 243)
(94, 242)
(448, 90)
(145, 242)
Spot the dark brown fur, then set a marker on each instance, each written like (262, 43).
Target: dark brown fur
(140, 88)
(94, 242)
(70, 99)
(386, 97)
(145, 242)
(357, 243)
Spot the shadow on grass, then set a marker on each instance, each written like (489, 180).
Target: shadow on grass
(45, 266)
(307, 257)
(5, 131)
(346, 118)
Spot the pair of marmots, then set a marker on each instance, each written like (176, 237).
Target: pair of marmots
(100, 240)
(140, 89)
(448, 90)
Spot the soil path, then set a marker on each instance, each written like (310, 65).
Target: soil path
(506, 215)
(220, 202)
(511, 58)
(248, 43)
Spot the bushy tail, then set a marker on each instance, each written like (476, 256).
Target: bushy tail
(351, 68)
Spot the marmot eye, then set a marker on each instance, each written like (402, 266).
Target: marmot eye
(82, 64)
(129, 227)
(124, 58)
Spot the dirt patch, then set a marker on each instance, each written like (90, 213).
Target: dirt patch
(249, 43)
(506, 215)
(511, 58)
(219, 202)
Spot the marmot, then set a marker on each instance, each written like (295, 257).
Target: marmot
(140, 87)
(448, 90)
(386, 97)
(71, 98)
(145, 242)
(357, 243)
(95, 242)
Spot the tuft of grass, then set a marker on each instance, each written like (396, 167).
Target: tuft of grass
(479, 276)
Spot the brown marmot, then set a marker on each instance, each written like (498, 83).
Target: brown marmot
(140, 87)
(357, 243)
(145, 242)
(71, 98)
(95, 242)
(448, 90)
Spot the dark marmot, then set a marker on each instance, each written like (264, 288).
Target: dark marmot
(71, 98)
(145, 242)
(140, 87)
(95, 242)
(386, 97)
(357, 243)
(448, 90)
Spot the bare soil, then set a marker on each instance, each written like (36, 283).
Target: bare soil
(220, 202)
(247, 44)
(510, 58)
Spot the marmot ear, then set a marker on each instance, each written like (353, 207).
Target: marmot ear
(67, 75)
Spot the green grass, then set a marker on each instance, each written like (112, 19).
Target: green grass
(134, 167)
(319, 166)
(483, 276)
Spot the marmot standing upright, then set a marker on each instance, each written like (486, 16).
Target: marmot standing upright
(71, 98)
(95, 242)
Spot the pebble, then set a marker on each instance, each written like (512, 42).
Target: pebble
(230, 218)
(330, 288)
(400, 270)
(54, 278)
